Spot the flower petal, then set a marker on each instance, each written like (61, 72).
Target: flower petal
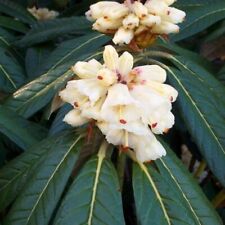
(164, 90)
(91, 88)
(147, 148)
(150, 73)
(125, 64)
(111, 57)
(174, 15)
(70, 94)
(106, 77)
(123, 36)
(87, 69)
(131, 21)
(74, 118)
(105, 25)
(118, 95)
(165, 28)
(151, 20)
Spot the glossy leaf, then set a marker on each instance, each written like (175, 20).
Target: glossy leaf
(21, 131)
(169, 195)
(12, 74)
(199, 19)
(204, 121)
(17, 172)
(12, 24)
(46, 186)
(16, 10)
(48, 30)
(36, 94)
(94, 196)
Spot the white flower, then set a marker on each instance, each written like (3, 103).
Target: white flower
(43, 13)
(133, 20)
(128, 104)
(74, 118)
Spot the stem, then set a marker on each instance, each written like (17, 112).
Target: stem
(220, 198)
(200, 169)
(102, 149)
(121, 165)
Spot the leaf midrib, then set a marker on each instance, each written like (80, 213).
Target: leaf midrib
(180, 189)
(198, 110)
(145, 170)
(51, 177)
(202, 17)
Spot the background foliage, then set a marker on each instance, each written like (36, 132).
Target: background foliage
(50, 174)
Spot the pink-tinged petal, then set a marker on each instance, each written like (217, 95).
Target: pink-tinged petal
(149, 73)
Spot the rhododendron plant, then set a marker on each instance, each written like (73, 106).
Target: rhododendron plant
(112, 112)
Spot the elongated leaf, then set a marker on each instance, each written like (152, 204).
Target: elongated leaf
(40, 196)
(12, 75)
(36, 94)
(12, 24)
(34, 58)
(199, 19)
(16, 10)
(215, 89)
(93, 197)
(16, 173)
(204, 121)
(6, 38)
(169, 195)
(58, 124)
(48, 30)
(19, 130)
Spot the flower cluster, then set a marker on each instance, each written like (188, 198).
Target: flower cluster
(128, 104)
(43, 13)
(133, 20)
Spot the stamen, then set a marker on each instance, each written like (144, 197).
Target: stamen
(78, 104)
(120, 115)
(126, 144)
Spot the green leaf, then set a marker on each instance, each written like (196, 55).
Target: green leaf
(6, 38)
(200, 19)
(16, 10)
(15, 174)
(168, 194)
(58, 124)
(203, 119)
(48, 30)
(39, 197)
(36, 94)
(12, 75)
(21, 131)
(12, 24)
(213, 86)
(34, 59)
(94, 196)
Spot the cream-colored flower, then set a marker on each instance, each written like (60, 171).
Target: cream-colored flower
(133, 20)
(128, 104)
(43, 13)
